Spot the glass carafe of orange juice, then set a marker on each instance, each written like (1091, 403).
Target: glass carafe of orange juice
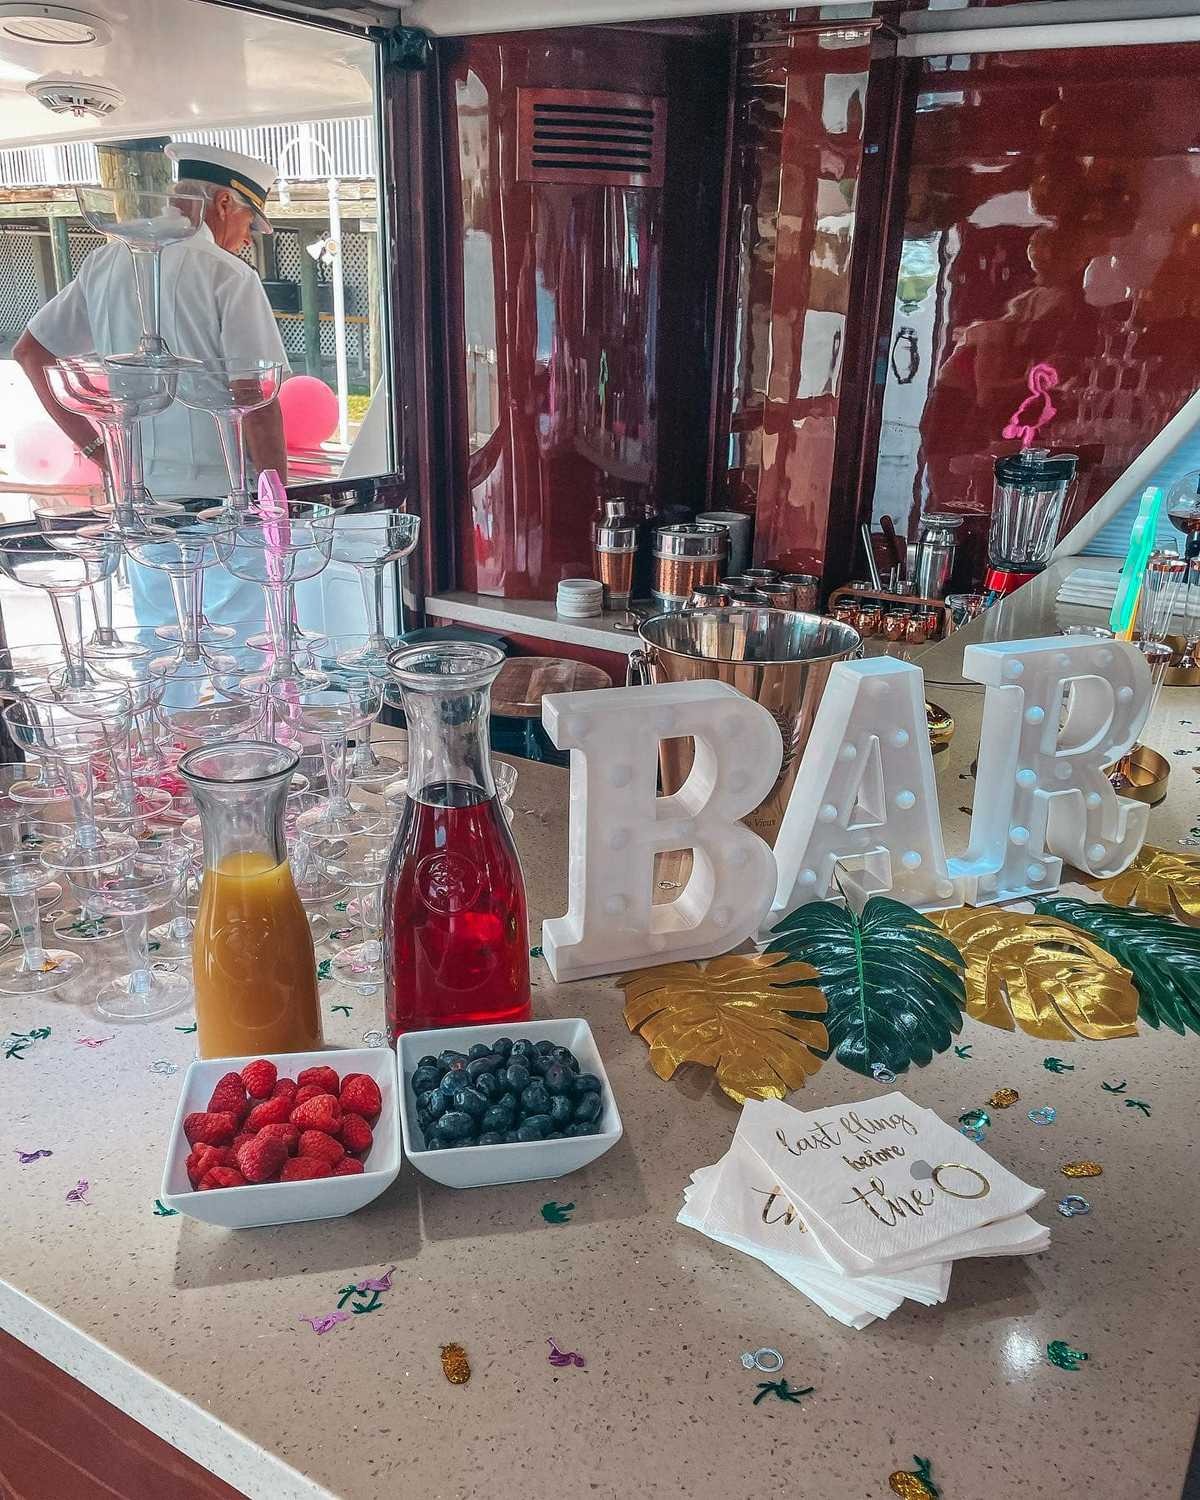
(253, 965)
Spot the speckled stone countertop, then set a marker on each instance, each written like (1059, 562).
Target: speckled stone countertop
(195, 1331)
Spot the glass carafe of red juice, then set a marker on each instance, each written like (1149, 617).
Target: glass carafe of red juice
(456, 933)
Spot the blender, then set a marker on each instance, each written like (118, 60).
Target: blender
(1030, 493)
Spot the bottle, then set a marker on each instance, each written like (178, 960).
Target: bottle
(456, 932)
(253, 966)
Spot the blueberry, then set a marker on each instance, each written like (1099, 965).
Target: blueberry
(470, 1100)
(489, 1086)
(444, 1059)
(588, 1107)
(561, 1111)
(517, 1075)
(424, 1120)
(559, 1078)
(565, 1056)
(522, 1049)
(479, 1049)
(545, 1046)
(555, 1135)
(581, 1127)
(535, 1100)
(427, 1062)
(509, 1101)
(432, 1102)
(587, 1083)
(436, 1143)
(486, 1062)
(511, 1137)
(490, 1138)
(502, 1046)
(426, 1078)
(459, 1065)
(535, 1128)
(498, 1118)
(455, 1124)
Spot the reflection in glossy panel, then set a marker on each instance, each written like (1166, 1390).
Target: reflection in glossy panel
(1047, 292)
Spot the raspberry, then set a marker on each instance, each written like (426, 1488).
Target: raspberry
(215, 1129)
(220, 1177)
(310, 1091)
(269, 1112)
(356, 1134)
(302, 1168)
(261, 1158)
(361, 1096)
(259, 1077)
(317, 1143)
(322, 1113)
(243, 1135)
(348, 1167)
(325, 1077)
(229, 1094)
(285, 1132)
(285, 1088)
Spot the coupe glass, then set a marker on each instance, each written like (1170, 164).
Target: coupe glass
(364, 870)
(58, 515)
(278, 553)
(183, 546)
(370, 543)
(330, 716)
(130, 894)
(135, 672)
(174, 938)
(116, 396)
(146, 222)
(1183, 511)
(22, 667)
(201, 706)
(38, 968)
(124, 804)
(229, 389)
(345, 659)
(63, 566)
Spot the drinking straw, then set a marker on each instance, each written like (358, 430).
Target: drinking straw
(1141, 544)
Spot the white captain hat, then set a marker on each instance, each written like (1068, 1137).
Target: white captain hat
(246, 176)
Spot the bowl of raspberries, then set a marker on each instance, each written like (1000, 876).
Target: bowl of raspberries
(277, 1140)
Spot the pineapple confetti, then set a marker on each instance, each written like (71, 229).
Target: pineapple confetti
(1082, 1169)
(915, 1484)
(455, 1365)
(1004, 1098)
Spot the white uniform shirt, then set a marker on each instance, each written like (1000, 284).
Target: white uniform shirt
(213, 306)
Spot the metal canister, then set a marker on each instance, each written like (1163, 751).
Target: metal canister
(806, 591)
(684, 558)
(616, 548)
(711, 596)
(935, 555)
(722, 531)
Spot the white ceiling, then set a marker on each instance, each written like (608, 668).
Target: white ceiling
(182, 65)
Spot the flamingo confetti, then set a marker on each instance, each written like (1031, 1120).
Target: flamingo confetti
(561, 1357)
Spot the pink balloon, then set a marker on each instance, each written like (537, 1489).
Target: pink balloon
(310, 411)
(40, 453)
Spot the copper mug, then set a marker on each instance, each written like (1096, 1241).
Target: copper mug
(777, 657)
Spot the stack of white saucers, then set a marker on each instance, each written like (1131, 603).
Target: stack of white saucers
(579, 598)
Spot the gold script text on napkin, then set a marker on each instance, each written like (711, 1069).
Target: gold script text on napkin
(789, 1214)
(825, 1137)
(890, 1210)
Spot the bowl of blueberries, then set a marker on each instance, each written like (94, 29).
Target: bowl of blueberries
(481, 1105)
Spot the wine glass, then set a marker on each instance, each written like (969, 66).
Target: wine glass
(37, 969)
(63, 566)
(370, 543)
(330, 716)
(364, 870)
(278, 552)
(229, 389)
(183, 546)
(146, 222)
(130, 894)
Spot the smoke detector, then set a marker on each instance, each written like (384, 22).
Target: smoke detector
(73, 96)
(53, 26)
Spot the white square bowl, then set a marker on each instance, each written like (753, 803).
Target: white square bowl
(262, 1203)
(522, 1161)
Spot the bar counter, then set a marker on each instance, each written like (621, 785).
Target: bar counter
(195, 1332)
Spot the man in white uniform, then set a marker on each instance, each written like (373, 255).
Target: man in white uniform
(213, 306)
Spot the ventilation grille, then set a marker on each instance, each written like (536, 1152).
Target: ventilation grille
(66, 96)
(573, 135)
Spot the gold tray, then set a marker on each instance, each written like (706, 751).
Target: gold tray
(1176, 676)
(941, 726)
(1148, 773)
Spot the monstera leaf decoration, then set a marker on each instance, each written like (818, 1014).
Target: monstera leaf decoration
(1041, 975)
(1159, 880)
(1162, 956)
(892, 981)
(729, 1014)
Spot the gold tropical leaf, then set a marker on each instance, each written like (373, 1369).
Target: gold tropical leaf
(1040, 974)
(1159, 880)
(728, 1014)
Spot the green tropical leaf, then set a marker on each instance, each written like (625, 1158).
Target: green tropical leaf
(893, 982)
(1162, 956)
